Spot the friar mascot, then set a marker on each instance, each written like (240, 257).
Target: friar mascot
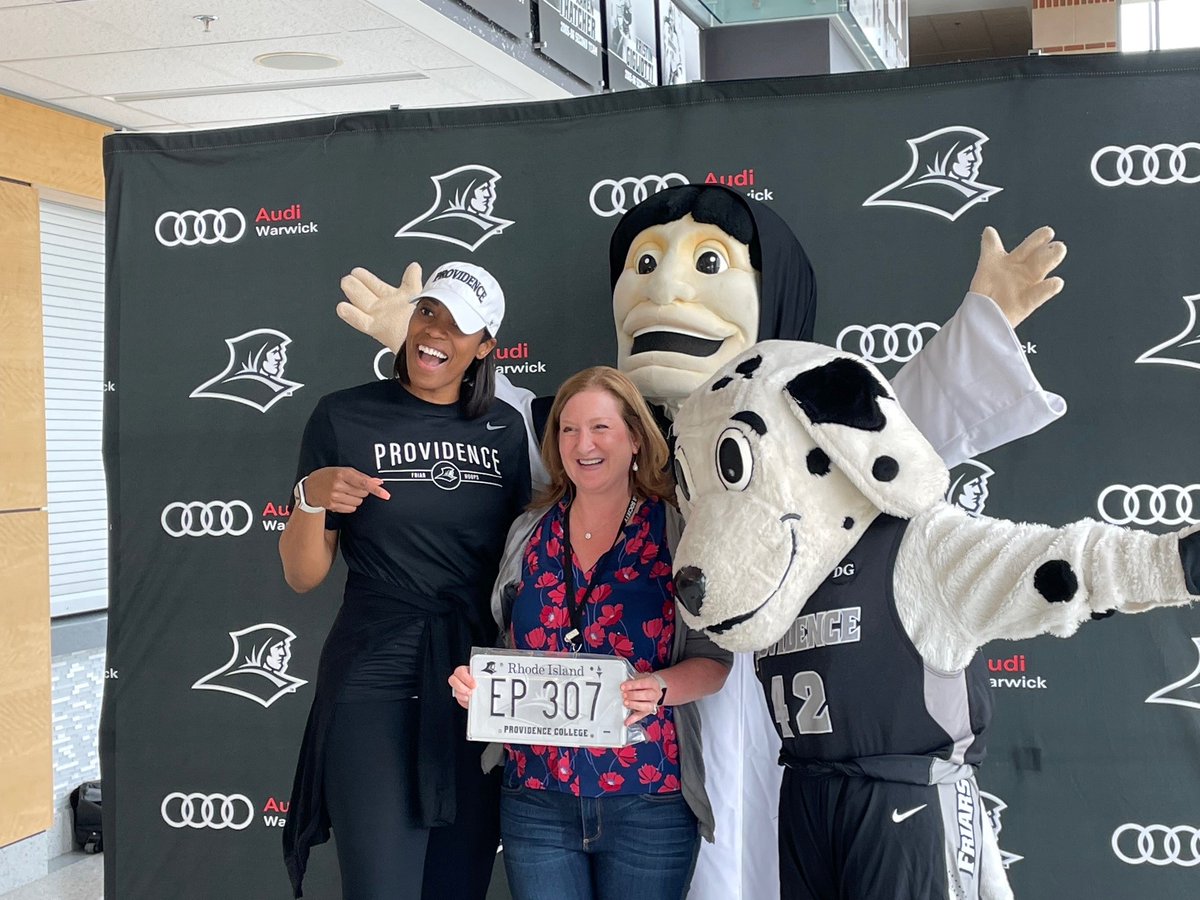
(700, 273)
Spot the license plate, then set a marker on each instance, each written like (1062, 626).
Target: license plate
(562, 700)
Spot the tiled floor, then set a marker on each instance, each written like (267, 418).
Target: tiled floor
(82, 878)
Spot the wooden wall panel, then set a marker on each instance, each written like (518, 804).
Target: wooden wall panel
(45, 150)
(51, 149)
(26, 777)
(22, 366)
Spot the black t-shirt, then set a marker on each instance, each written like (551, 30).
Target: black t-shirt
(456, 485)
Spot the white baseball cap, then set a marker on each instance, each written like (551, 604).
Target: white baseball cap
(471, 294)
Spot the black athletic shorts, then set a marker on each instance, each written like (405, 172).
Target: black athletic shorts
(852, 838)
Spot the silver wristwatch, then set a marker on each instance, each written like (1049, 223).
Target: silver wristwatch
(301, 502)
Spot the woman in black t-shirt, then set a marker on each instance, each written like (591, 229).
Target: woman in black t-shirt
(417, 480)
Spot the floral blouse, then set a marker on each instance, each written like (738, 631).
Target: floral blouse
(630, 612)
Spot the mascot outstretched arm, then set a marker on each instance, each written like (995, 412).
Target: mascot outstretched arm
(818, 538)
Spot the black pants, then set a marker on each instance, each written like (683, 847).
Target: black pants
(844, 838)
(370, 791)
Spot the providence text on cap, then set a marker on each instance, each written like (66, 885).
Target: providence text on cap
(471, 294)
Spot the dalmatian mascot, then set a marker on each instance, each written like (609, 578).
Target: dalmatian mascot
(818, 538)
(699, 274)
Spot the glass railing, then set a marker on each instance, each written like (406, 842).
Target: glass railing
(729, 12)
(879, 28)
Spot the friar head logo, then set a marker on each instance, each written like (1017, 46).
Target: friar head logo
(258, 668)
(943, 177)
(1184, 692)
(462, 211)
(969, 486)
(1181, 350)
(994, 806)
(254, 374)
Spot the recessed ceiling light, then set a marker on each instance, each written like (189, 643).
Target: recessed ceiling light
(298, 62)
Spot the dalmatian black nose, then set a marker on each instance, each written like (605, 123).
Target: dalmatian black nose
(689, 588)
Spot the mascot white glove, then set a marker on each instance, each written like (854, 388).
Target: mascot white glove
(1018, 281)
(377, 308)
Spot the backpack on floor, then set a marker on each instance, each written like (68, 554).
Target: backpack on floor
(85, 813)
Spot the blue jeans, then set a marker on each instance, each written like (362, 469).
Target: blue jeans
(561, 847)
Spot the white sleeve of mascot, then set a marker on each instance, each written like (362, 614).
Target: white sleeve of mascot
(742, 777)
(970, 389)
(521, 400)
(962, 581)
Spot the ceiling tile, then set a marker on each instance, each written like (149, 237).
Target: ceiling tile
(21, 83)
(966, 30)
(159, 24)
(114, 113)
(366, 97)
(922, 34)
(226, 107)
(414, 48)
(135, 71)
(224, 123)
(55, 29)
(352, 14)
(379, 57)
(480, 84)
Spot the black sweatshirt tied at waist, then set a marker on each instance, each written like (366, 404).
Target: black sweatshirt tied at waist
(372, 612)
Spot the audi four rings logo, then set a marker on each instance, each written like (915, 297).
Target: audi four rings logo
(208, 226)
(615, 197)
(216, 811)
(216, 518)
(882, 343)
(1140, 164)
(1147, 504)
(1159, 845)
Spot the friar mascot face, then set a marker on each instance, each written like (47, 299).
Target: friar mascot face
(686, 303)
(782, 461)
(700, 273)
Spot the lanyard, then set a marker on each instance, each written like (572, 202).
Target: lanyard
(575, 635)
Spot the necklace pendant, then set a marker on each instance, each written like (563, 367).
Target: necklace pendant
(587, 535)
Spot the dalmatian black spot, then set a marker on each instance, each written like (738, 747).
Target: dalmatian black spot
(1055, 580)
(749, 367)
(885, 469)
(848, 523)
(1189, 555)
(841, 392)
(818, 461)
(721, 382)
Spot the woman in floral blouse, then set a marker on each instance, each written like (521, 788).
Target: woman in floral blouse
(583, 823)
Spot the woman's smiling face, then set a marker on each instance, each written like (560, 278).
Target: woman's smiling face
(437, 352)
(594, 442)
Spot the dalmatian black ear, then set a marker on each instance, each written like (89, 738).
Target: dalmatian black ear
(848, 409)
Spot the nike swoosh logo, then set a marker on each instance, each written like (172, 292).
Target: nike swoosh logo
(491, 427)
(898, 816)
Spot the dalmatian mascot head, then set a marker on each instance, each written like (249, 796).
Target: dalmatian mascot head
(783, 459)
(790, 452)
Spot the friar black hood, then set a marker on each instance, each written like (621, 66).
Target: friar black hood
(788, 292)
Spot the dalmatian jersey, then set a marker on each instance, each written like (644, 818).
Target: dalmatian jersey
(850, 693)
